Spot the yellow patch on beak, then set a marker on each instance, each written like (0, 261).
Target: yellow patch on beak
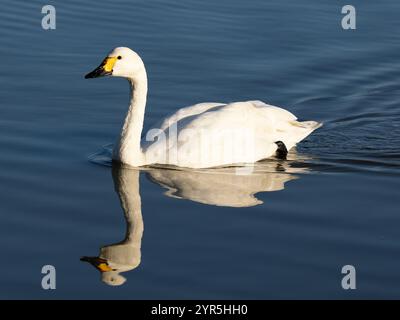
(108, 63)
(104, 267)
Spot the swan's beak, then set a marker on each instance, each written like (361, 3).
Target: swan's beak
(104, 69)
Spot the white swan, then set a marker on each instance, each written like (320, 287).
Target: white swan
(203, 135)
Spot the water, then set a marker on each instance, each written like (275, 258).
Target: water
(335, 200)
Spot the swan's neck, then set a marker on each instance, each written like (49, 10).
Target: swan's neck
(128, 149)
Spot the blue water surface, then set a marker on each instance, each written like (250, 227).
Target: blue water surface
(184, 235)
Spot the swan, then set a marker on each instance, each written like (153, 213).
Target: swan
(204, 135)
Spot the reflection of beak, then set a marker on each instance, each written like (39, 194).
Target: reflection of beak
(98, 263)
(105, 69)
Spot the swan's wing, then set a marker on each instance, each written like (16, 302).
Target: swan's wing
(188, 112)
(210, 135)
(237, 132)
(176, 118)
(276, 112)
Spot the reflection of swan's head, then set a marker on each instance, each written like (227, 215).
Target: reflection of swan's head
(120, 62)
(113, 278)
(109, 275)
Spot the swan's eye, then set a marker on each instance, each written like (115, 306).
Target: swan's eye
(119, 57)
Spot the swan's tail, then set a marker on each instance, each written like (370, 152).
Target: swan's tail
(310, 125)
(298, 131)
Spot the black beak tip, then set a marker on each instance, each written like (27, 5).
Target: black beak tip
(97, 73)
(89, 76)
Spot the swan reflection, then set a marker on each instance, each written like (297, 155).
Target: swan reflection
(125, 255)
(221, 187)
(228, 187)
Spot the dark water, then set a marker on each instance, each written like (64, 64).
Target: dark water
(338, 202)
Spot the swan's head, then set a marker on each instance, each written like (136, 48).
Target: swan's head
(120, 62)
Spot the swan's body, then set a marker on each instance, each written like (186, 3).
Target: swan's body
(200, 136)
